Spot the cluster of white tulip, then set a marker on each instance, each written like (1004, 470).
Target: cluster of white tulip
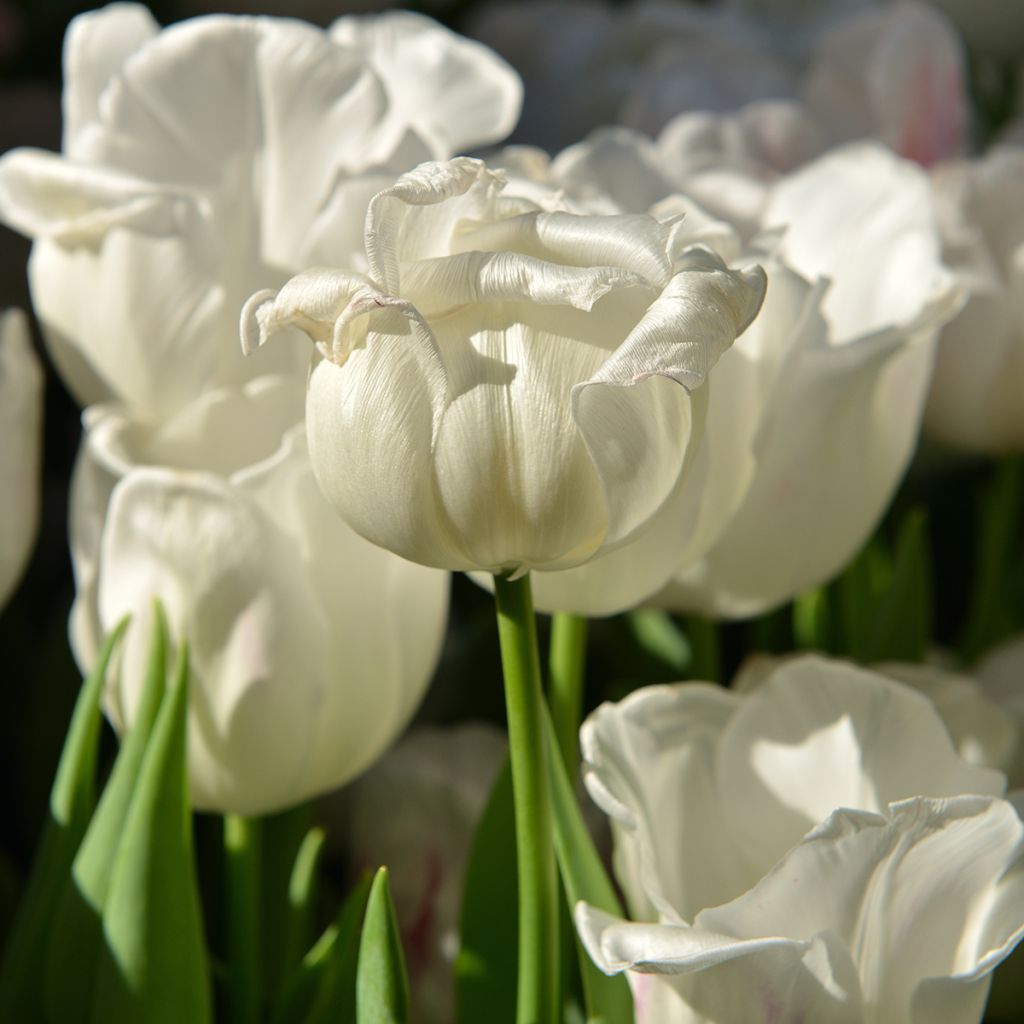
(688, 371)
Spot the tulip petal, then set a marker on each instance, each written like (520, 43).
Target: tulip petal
(21, 395)
(818, 734)
(658, 745)
(230, 584)
(459, 93)
(636, 423)
(720, 977)
(879, 244)
(96, 46)
(933, 889)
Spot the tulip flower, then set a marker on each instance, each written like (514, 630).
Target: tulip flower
(216, 157)
(503, 391)
(310, 648)
(812, 850)
(974, 401)
(838, 360)
(21, 411)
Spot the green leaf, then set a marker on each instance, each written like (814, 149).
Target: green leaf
(487, 964)
(858, 592)
(285, 928)
(812, 621)
(74, 949)
(902, 628)
(302, 886)
(322, 989)
(607, 999)
(660, 636)
(991, 615)
(155, 968)
(72, 800)
(382, 989)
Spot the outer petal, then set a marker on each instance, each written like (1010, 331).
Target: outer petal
(722, 978)
(637, 432)
(96, 47)
(868, 915)
(649, 763)
(820, 734)
(258, 642)
(21, 410)
(932, 890)
(387, 617)
(865, 219)
(457, 92)
(1000, 673)
(979, 371)
(220, 432)
(983, 733)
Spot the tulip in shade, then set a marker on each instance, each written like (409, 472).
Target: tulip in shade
(975, 399)
(310, 647)
(503, 391)
(21, 411)
(814, 850)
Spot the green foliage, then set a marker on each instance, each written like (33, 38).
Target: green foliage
(22, 976)
(154, 967)
(607, 999)
(487, 964)
(382, 989)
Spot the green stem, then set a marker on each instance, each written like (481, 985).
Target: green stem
(242, 870)
(566, 664)
(537, 997)
(706, 663)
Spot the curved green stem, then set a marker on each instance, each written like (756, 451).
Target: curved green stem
(537, 997)
(242, 871)
(566, 663)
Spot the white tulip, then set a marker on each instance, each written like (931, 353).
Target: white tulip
(310, 648)
(434, 784)
(814, 850)
(838, 361)
(216, 157)
(21, 413)
(975, 400)
(502, 393)
(1000, 673)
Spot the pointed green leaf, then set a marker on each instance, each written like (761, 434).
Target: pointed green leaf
(608, 999)
(487, 963)
(322, 989)
(155, 967)
(74, 949)
(71, 804)
(382, 989)
(302, 887)
(902, 629)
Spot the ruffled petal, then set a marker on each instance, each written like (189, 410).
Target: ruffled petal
(459, 93)
(635, 420)
(818, 734)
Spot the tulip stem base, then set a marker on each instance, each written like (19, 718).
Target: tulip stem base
(242, 876)
(566, 664)
(537, 998)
